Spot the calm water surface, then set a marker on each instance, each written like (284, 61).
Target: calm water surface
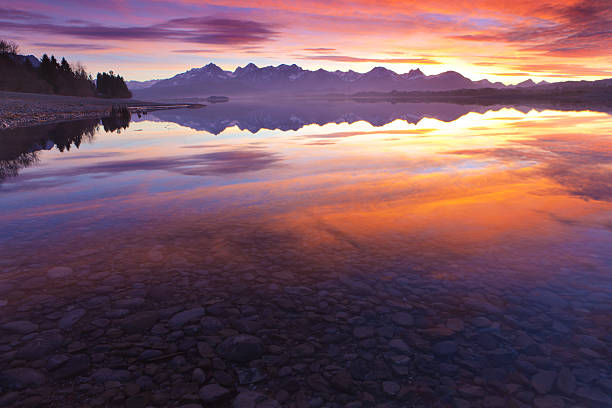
(412, 255)
(525, 192)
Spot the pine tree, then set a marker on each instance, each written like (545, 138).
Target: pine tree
(51, 76)
(65, 67)
(112, 86)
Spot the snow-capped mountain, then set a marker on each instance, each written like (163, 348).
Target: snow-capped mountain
(133, 85)
(292, 79)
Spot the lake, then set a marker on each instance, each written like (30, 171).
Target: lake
(321, 253)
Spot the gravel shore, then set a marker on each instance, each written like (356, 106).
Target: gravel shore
(23, 109)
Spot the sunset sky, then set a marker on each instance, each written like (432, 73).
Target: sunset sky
(502, 40)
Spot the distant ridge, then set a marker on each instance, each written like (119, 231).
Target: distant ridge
(134, 85)
(286, 79)
(294, 80)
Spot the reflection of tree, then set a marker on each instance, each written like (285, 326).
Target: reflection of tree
(10, 168)
(116, 122)
(72, 133)
(19, 147)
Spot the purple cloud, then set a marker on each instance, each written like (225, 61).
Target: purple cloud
(202, 30)
(12, 14)
(71, 46)
(582, 29)
(320, 49)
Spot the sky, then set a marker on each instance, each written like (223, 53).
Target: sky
(501, 40)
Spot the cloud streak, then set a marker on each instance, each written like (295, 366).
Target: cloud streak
(13, 14)
(345, 58)
(71, 46)
(580, 29)
(201, 30)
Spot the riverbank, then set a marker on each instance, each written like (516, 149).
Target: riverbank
(25, 109)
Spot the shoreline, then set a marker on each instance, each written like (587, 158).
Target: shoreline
(25, 109)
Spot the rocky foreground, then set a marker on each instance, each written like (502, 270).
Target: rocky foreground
(23, 109)
(231, 334)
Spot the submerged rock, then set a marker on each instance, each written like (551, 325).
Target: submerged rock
(543, 381)
(213, 393)
(21, 377)
(186, 316)
(20, 327)
(41, 346)
(241, 348)
(59, 272)
(70, 318)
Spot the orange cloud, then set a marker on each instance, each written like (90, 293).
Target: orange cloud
(547, 39)
(345, 58)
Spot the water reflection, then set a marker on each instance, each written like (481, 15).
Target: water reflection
(434, 191)
(19, 147)
(490, 234)
(294, 114)
(115, 123)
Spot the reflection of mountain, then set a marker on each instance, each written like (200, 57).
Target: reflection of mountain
(295, 114)
(19, 147)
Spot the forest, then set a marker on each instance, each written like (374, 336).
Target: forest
(19, 73)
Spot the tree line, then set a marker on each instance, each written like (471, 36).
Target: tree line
(21, 74)
(112, 85)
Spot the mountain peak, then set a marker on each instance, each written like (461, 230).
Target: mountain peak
(379, 69)
(250, 67)
(212, 67)
(451, 74)
(414, 73)
(380, 72)
(528, 82)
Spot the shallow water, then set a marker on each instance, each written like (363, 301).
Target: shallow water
(445, 211)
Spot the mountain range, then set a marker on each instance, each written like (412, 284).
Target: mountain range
(292, 79)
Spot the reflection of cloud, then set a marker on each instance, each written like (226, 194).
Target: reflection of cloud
(206, 164)
(228, 162)
(204, 146)
(95, 155)
(583, 169)
(586, 180)
(372, 132)
(564, 220)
